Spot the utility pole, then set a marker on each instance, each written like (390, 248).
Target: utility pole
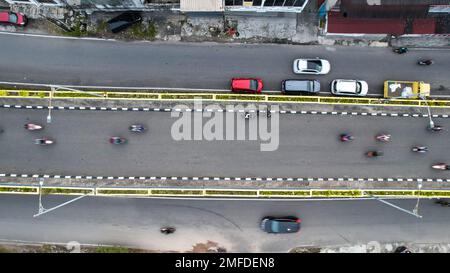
(43, 210)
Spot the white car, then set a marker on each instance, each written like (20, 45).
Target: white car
(349, 87)
(311, 66)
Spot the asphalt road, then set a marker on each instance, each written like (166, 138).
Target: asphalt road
(308, 147)
(186, 65)
(232, 224)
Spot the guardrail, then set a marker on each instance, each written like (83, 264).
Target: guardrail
(166, 96)
(226, 193)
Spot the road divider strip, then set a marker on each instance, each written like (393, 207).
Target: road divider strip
(223, 178)
(225, 193)
(163, 95)
(147, 109)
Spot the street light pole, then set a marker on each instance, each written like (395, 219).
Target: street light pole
(43, 210)
(416, 208)
(414, 212)
(49, 116)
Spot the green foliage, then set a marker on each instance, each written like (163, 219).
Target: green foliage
(123, 191)
(225, 192)
(17, 189)
(111, 249)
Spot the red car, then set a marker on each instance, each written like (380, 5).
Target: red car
(248, 85)
(13, 18)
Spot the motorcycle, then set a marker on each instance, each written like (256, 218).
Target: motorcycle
(441, 166)
(425, 62)
(420, 149)
(346, 137)
(43, 141)
(117, 140)
(374, 154)
(33, 127)
(435, 128)
(400, 50)
(247, 115)
(383, 137)
(139, 128)
(167, 230)
(443, 203)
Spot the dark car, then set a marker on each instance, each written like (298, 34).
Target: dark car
(298, 87)
(124, 21)
(13, 18)
(288, 224)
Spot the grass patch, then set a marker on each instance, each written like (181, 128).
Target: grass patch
(285, 193)
(295, 99)
(218, 192)
(241, 97)
(140, 31)
(390, 193)
(132, 95)
(123, 191)
(17, 189)
(64, 191)
(433, 193)
(74, 95)
(186, 97)
(111, 249)
(176, 192)
(337, 193)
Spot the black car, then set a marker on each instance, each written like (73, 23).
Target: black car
(297, 87)
(288, 224)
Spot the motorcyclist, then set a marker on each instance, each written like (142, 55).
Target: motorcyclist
(420, 149)
(401, 50)
(383, 137)
(435, 128)
(246, 115)
(441, 166)
(374, 153)
(43, 141)
(117, 140)
(167, 230)
(426, 62)
(137, 128)
(346, 137)
(443, 203)
(32, 126)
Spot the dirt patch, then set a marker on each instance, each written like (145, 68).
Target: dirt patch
(208, 247)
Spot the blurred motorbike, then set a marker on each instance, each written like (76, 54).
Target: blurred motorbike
(117, 140)
(43, 141)
(139, 128)
(33, 127)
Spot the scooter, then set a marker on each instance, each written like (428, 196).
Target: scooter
(43, 141)
(33, 127)
(383, 137)
(374, 154)
(346, 137)
(420, 149)
(435, 128)
(441, 166)
(400, 50)
(139, 128)
(443, 203)
(167, 230)
(425, 62)
(117, 140)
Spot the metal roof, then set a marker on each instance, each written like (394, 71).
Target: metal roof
(201, 5)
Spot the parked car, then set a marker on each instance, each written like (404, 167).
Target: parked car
(349, 87)
(311, 66)
(288, 224)
(298, 87)
(13, 18)
(248, 85)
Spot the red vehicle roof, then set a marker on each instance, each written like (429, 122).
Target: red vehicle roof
(5, 17)
(252, 85)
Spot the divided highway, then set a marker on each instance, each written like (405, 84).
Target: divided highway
(209, 66)
(308, 147)
(232, 224)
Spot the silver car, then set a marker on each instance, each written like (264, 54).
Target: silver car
(311, 66)
(349, 87)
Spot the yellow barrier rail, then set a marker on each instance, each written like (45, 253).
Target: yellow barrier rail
(247, 193)
(164, 96)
